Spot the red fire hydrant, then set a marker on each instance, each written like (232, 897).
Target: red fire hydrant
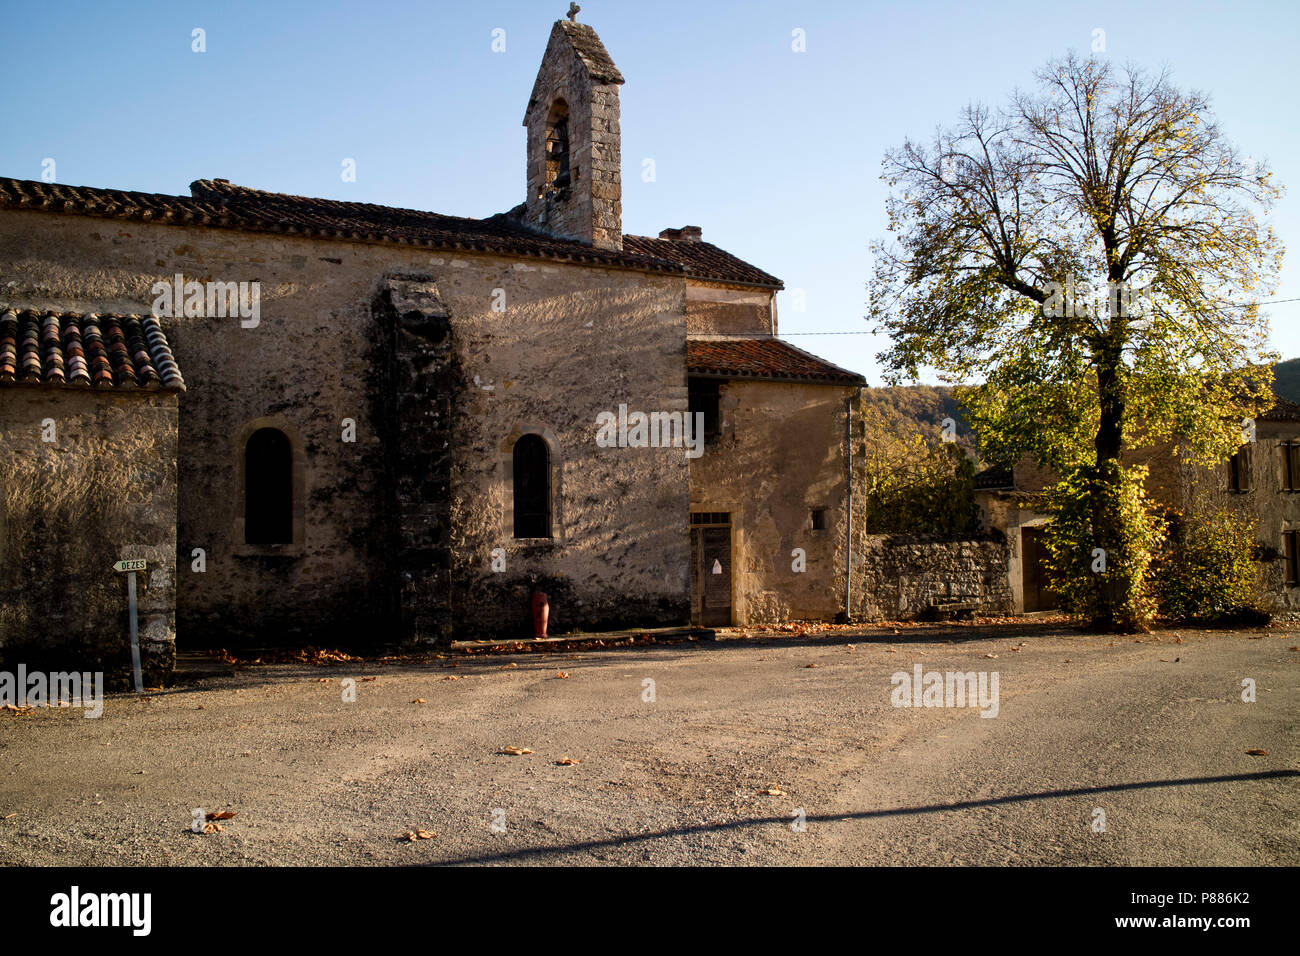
(541, 611)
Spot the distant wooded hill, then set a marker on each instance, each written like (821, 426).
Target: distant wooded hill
(1286, 380)
(922, 408)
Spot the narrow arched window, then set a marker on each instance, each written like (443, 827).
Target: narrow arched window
(532, 482)
(268, 488)
(557, 146)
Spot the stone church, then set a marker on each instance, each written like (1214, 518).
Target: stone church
(335, 423)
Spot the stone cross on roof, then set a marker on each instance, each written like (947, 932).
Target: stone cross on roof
(574, 9)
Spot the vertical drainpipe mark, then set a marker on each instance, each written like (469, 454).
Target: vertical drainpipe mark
(848, 525)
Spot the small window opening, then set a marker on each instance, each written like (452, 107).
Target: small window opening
(532, 480)
(1238, 475)
(819, 519)
(268, 488)
(1291, 474)
(704, 395)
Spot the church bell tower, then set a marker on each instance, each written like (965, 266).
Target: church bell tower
(575, 186)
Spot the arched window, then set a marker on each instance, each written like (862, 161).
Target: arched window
(557, 145)
(268, 488)
(532, 484)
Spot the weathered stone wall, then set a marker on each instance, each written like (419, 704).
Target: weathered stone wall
(781, 453)
(1274, 509)
(717, 309)
(1164, 473)
(572, 341)
(897, 577)
(104, 490)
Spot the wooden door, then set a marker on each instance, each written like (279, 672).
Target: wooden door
(1033, 555)
(711, 575)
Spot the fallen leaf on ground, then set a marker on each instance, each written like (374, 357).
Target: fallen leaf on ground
(890, 650)
(810, 665)
(772, 792)
(213, 828)
(993, 656)
(562, 675)
(506, 667)
(221, 815)
(451, 677)
(324, 680)
(567, 762)
(515, 751)
(364, 679)
(1257, 753)
(410, 836)
(419, 700)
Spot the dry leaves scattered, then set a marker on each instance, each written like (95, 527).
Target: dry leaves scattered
(1257, 753)
(419, 700)
(567, 762)
(410, 836)
(772, 792)
(562, 675)
(515, 751)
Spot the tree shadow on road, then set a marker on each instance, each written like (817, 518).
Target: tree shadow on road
(542, 853)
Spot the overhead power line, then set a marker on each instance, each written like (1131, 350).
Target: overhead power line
(1239, 305)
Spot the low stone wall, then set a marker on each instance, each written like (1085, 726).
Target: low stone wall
(899, 577)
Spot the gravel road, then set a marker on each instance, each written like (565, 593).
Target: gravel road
(1151, 732)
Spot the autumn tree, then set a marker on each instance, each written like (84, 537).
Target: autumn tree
(911, 479)
(1083, 261)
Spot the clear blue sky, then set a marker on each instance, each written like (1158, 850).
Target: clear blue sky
(776, 154)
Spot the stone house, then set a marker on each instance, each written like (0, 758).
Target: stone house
(1261, 481)
(88, 424)
(390, 427)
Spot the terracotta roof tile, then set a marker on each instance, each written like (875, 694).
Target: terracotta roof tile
(762, 358)
(1283, 411)
(90, 350)
(702, 260)
(995, 479)
(220, 204)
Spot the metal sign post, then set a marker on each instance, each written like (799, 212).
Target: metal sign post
(130, 567)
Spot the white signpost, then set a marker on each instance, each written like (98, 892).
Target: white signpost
(130, 567)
